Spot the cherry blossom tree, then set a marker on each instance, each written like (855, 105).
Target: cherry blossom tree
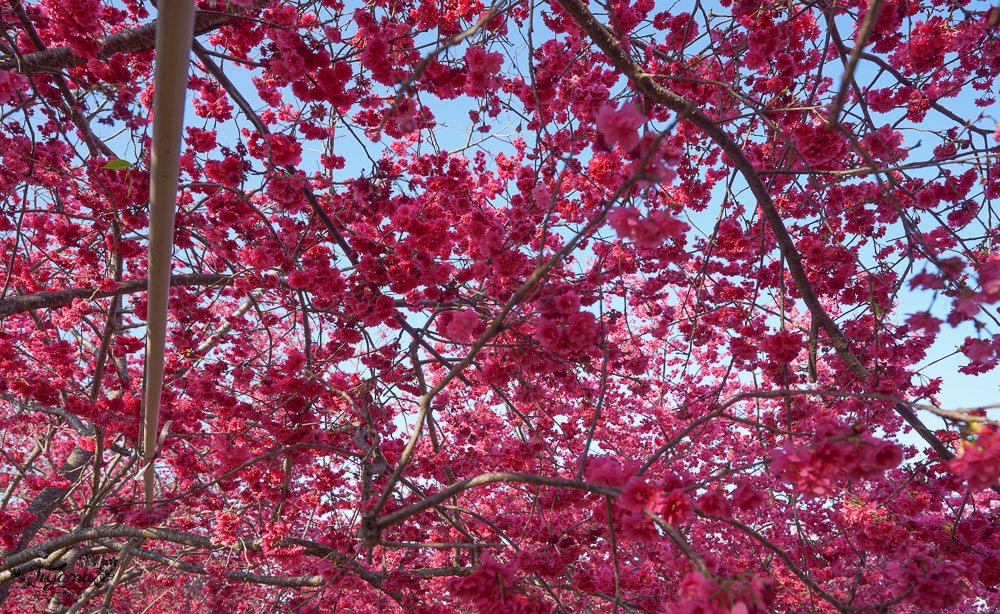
(523, 307)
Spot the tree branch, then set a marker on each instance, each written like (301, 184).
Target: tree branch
(489, 478)
(22, 562)
(128, 41)
(864, 32)
(59, 298)
(646, 85)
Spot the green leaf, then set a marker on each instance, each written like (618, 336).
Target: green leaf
(117, 165)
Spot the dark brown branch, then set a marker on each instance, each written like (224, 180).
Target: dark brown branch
(128, 41)
(74, 421)
(489, 478)
(45, 503)
(867, 26)
(95, 145)
(801, 574)
(59, 298)
(26, 561)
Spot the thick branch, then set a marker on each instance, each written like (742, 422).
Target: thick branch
(128, 41)
(874, 8)
(59, 298)
(44, 504)
(23, 561)
(489, 478)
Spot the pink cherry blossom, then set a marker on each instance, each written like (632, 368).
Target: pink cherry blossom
(978, 462)
(434, 307)
(620, 126)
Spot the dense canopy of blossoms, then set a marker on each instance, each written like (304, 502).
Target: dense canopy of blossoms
(527, 307)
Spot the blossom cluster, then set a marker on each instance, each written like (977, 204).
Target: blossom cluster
(836, 452)
(430, 256)
(978, 461)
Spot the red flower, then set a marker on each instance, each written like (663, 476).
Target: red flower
(463, 324)
(620, 126)
(638, 526)
(284, 149)
(675, 508)
(979, 463)
(713, 503)
(639, 495)
(486, 586)
(746, 497)
(795, 465)
(604, 470)
(650, 232)
(989, 280)
(783, 346)
(228, 171)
